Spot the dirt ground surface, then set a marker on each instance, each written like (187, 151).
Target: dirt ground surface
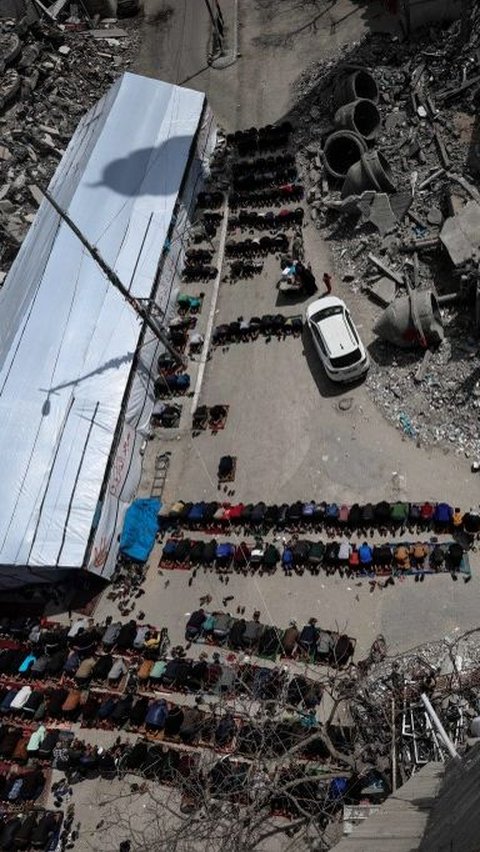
(291, 438)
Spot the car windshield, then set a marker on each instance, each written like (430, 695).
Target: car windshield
(346, 360)
(327, 312)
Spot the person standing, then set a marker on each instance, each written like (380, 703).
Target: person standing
(327, 280)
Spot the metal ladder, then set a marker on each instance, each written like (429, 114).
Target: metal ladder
(162, 463)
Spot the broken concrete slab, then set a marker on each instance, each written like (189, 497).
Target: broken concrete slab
(111, 32)
(435, 216)
(5, 154)
(400, 203)
(383, 291)
(36, 194)
(352, 204)
(461, 234)
(381, 214)
(390, 273)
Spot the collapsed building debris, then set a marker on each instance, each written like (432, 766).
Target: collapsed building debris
(412, 319)
(448, 673)
(410, 199)
(52, 76)
(461, 234)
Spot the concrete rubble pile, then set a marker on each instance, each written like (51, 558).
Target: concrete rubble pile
(383, 687)
(389, 144)
(51, 77)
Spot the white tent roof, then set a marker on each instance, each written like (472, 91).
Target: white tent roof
(67, 337)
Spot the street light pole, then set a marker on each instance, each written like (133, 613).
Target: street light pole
(112, 276)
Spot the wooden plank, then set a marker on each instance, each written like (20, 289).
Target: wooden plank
(437, 173)
(442, 151)
(390, 273)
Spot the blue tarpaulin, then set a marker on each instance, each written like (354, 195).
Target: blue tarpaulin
(140, 528)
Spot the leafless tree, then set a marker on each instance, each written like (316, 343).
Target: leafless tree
(276, 793)
(268, 788)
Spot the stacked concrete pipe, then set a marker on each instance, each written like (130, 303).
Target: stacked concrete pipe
(358, 123)
(341, 151)
(361, 116)
(371, 171)
(412, 320)
(354, 85)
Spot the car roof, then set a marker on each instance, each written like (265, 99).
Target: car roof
(336, 332)
(322, 303)
(338, 336)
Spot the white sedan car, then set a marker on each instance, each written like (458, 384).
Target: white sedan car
(336, 339)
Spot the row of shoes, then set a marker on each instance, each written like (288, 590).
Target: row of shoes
(195, 271)
(269, 220)
(245, 269)
(252, 182)
(194, 255)
(263, 198)
(263, 164)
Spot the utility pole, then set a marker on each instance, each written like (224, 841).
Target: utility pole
(136, 304)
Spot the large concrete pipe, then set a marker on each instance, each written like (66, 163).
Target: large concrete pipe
(341, 150)
(412, 320)
(361, 116)
(349, 87)
(372, 171)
